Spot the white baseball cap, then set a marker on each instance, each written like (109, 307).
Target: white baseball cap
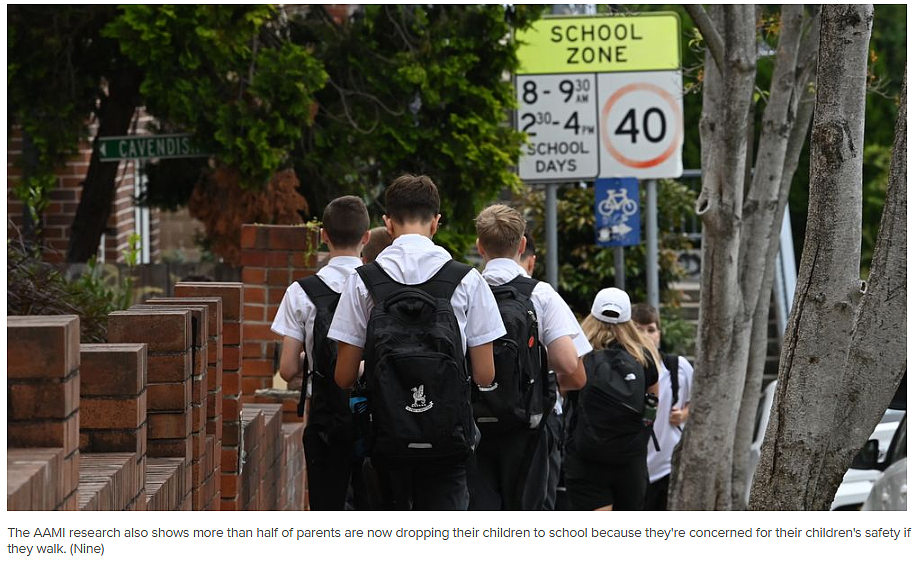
(611, 305)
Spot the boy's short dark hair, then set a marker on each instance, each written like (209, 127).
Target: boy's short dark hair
(411, 199)
(379, 239)
(645, 314)
(529, 246)
(346, 220)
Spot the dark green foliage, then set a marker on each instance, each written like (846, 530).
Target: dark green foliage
(225, 73)
(418, 89)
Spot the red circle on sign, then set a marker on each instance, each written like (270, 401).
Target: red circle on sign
(614, 151)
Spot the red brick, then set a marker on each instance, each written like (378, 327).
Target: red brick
(255, 294)
(166, 331)
(275, 296)
(198, 417)
(302, 261)
(113, 413)
(215, 403)
(299, 274)
(292, 238)
(112, 369)
(215, 428)
(231, 408)
(214, 306)
(229, 485)
(257, 368)
(215, 377)
(49, 399)
(64, 433)
(120, 440)
(169, 368)
(249, 238)
(258, 332)
(42, 346)
(198, 444)
(232, 433)
(231, 293)
(254, 312)
(232, 336)
(232, 383)
(232, 354)
(253, 276)
(169, 396)
(169, 425)
(253, 350)
(164, 448)
(278, 277)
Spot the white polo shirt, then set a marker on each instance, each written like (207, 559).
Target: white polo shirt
(413, 259)
(555, 319)
(659, 464)
(296, 315)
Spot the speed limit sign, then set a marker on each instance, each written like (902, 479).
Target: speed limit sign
(641, 125)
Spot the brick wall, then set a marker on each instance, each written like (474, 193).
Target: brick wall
(128, 425)
(230, 450)
(64, 198)
(272, 258)
(43, 401)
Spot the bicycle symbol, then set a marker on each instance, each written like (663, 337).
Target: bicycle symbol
(617, 200)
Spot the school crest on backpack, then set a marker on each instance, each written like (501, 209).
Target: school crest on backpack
(420, 401)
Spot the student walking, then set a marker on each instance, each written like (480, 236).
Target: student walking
(605, 460)
(510, 468)
(303, 319)
(675, 380)
(416, 313)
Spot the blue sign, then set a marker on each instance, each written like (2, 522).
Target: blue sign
(617, 212)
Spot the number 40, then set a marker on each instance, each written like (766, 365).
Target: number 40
(628, 125)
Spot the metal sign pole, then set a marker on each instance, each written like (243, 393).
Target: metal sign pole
(619, 268)
(550, 217)
(652, 246)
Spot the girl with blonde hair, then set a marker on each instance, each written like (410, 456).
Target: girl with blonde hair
(606, 460)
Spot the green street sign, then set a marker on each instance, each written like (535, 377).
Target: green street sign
(114, 148)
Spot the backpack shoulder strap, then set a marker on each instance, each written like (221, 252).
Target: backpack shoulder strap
(671, 364)
(446, 280)
(524, 285)
(318, 292)
(379, 283)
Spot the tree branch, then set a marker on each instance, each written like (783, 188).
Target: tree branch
(708, 30)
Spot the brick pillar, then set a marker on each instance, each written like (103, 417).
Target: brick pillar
(43, 396)
(113, 420)
(209, 498)
(169, 338)
(229, 463)
(199, 443)
(273, 256)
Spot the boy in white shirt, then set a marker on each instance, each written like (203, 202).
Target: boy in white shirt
(412, 218)
(328, 437)
(510, 468)
(669, 424)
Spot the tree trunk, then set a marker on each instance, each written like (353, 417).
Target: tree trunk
(785, 125)
(115, 114)
(704, 476)
(828, 287)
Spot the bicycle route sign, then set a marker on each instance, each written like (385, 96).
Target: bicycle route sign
(617, 212)
(600, 97)
(114, 148)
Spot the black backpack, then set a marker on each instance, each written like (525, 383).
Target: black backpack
(416, 378)
(607, 423)
(519, 395)
(329, 412)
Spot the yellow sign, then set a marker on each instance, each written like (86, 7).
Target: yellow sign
(597, 44)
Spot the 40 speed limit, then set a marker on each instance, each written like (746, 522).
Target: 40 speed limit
(641, 124)
(559, 117)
